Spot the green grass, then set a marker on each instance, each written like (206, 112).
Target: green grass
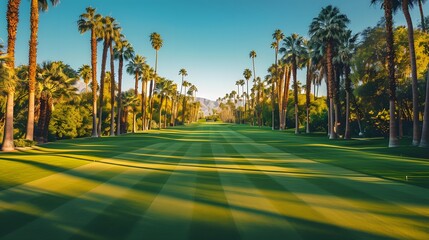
(215, 181)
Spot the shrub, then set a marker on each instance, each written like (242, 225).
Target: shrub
(23, 143)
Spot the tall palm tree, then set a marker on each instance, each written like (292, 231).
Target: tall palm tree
(123, 51)
(185, 85)
(307, 59)
(253, 55)
(85, 73)
(327, 28)
(156, 42)
(247, 74)
(346, 51)
(406, 4)
(148, 74)
(90, 21)
(12, 16)
(293, 49)
(388, 7)
(184, 73)
(277, 36)
(36, 6)
(116, 36)
(107, 34)
(136, 67)
(54, 83)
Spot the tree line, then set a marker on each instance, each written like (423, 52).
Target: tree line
(42, 101)
(376, 80)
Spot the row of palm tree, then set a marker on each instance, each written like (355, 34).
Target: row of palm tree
(115, 47)
(328, 54)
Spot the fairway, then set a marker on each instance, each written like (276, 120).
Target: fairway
(209, 181)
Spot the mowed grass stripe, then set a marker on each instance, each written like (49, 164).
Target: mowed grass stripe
(306, 222)
(255, 216)
(212, 218)
(127, 209)
(169, 214)
(377, 222)
(38, 198)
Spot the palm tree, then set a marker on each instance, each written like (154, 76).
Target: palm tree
(89, 21)
(387, 5)
(12, 26)
(185, 85)
(293, 49)
(345, 53)
(253, 55)
(184, 73)
(307, 59)
(136, 67)
(54, 83)
(148, 74)
(327, 28)
(36, 5)
(108, 33)
(123, 51)
(277, 36)
(85, 73)
(247, 74)
(116, 37)
(129, 101)
(156, 42)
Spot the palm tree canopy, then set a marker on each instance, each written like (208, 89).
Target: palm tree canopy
(183, 72)
(56, 80)
(85, 72)
(347, 47)
(156, 40)
(89, 21)
(293, 48)
(111, 29)
(329, 25)
(247, 74)
(252, 54)
(278, 35)
(396, 4)
(136, 65)
(124, 49)
(43, 4)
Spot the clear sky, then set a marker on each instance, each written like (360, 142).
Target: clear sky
(210, 38)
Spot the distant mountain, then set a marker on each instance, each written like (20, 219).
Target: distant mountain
(207, 106)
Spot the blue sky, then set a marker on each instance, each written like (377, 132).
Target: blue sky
(211, 39)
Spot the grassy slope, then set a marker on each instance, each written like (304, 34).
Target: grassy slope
(213, 182)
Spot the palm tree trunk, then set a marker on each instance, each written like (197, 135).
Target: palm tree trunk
(286, 95)
(281, 102)
(295, 94)
(102, 76)
(8, 144)
(424, 142)
(422, 16)
(416, 124)
(160, 112)
(393, 133)
(331, 91)
(121, 65)
(152, 88)
(307, 97)
(12, 26)
(144, 106)
(94, 82)
(112, 91)
(34, 22)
